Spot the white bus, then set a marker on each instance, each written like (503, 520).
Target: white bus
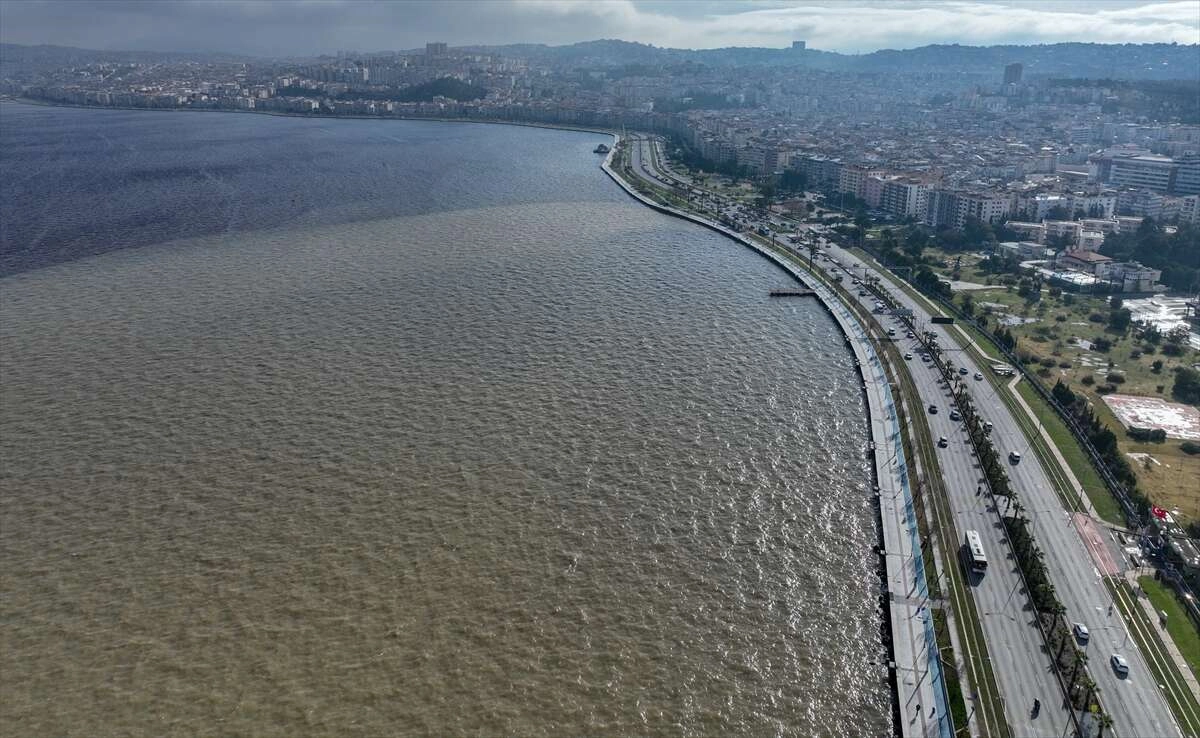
(973, 550)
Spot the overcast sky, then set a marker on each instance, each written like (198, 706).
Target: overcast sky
(307, 27)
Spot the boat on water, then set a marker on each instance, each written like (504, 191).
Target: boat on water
(601, 149)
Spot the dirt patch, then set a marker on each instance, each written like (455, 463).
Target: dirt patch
(1179, 421)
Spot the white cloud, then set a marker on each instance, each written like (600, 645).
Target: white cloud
(853, 27)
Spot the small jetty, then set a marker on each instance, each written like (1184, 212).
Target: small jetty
(793, 292)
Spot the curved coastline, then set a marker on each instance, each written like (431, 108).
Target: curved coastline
(317, 116)
(879, 414)
(855, 336)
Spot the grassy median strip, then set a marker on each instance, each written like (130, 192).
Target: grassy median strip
(1179, 625)
(1068, 445)
(1077, 459)
(1106, 505)
(970, 629)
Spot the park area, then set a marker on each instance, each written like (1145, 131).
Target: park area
(1183, 631)
(1074, 338)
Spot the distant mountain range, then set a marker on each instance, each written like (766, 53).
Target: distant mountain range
(1077, 60)
(69, 55)
(1104, 61)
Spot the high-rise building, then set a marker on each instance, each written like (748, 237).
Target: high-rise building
(435, 48)
(1150, 172)
(1012, 74)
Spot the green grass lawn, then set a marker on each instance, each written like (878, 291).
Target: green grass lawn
(1183, 631)
(1172, 479)
(1106, 505)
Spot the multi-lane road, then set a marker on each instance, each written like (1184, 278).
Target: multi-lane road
(1134, 701)
(1021, 666)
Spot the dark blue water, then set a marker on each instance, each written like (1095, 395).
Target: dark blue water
(82, 182)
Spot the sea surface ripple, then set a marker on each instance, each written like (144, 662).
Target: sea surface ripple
(536, 462)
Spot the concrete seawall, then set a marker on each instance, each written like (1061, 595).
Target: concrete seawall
(919, 691)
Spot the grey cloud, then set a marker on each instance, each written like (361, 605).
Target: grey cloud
(304, 27)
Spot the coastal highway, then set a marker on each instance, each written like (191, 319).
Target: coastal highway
(1135, 703)
(921, 708)
(1022, 669)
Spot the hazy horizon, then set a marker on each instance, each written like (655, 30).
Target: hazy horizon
(285, 28)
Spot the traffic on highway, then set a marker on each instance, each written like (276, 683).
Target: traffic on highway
(1032, 691)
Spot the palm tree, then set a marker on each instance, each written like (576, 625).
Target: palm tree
(1106, 721)
(1089, 688)
(1080, 662)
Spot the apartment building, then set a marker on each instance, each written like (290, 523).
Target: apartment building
(904, 197)
(1189, 210)
(1143, 172)
(1063, 229)
(1141, 203)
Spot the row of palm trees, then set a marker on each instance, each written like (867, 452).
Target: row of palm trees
(1070, 661)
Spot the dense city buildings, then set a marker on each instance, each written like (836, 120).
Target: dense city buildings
(923, 141)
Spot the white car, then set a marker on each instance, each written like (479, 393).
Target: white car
(978, 377)
(1119, 664)
(1081, 632)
